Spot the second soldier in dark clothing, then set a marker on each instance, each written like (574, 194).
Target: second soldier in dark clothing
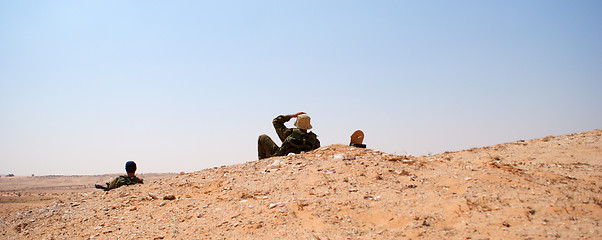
(294, 140)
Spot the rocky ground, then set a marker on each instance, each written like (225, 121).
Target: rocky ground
(542, 188)
(18, 194)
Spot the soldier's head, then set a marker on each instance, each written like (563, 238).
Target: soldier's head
(303, 122)
(130, 167)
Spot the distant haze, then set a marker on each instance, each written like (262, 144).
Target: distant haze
(187, 85)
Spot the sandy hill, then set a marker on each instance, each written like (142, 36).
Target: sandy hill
(543, 188)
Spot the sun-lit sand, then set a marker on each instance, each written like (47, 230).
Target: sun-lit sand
(542, 188)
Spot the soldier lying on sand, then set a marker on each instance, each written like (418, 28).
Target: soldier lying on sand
(129, 179)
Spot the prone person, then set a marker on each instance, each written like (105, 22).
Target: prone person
(129, 179)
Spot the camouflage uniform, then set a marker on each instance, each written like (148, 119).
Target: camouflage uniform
(293, 140)
(124, 180)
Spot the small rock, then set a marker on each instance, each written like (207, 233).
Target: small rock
(276, 164)
(402, 173)
(169, 197)
(152, 196)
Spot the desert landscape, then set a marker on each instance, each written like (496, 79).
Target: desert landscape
(549, 188)
(22, 193)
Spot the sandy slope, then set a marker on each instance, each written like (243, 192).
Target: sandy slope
(543, 188)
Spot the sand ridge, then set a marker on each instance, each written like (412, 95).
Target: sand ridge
(541, 188)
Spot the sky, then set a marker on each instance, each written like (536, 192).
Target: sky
(181, 86)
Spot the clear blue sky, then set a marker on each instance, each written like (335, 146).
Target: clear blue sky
(187, 85)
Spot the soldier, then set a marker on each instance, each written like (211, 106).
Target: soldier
(294, 140)
(129, 179)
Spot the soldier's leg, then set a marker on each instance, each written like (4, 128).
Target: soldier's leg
(266, 147)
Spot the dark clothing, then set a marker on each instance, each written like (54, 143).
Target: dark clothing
(124, 180)
(266, 147)
(293, 140)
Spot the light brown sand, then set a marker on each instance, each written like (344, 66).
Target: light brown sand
(22, 193)
(543, 188)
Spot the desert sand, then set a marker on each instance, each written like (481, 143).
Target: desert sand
(22, 193)
(534, 189)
